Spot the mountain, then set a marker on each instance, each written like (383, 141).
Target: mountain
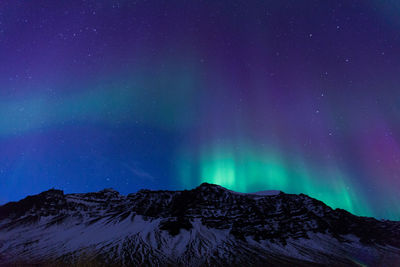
(205, 226)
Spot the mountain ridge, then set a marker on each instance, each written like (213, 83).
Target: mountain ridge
(208, 225)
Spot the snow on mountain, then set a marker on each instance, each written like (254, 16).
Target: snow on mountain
(205, 226)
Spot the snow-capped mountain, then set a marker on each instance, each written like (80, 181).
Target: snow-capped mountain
(206, 226)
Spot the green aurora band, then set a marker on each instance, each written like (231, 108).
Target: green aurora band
(248, 169)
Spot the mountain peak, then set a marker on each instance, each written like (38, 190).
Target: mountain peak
(208, 188)
(53, 192)
(109, 190)
(209, 185)
(198, 227)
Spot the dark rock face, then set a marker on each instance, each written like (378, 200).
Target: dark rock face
(208, 225)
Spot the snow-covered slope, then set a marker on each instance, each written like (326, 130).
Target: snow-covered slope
(206, 226)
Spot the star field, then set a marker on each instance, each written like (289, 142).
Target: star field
(298, 96)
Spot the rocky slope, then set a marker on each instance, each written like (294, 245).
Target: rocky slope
(206, 226)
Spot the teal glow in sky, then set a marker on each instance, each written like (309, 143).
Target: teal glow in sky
(268, 95)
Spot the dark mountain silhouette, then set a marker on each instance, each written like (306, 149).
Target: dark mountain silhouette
(206, 226)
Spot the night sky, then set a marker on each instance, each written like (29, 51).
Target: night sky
(298, 96)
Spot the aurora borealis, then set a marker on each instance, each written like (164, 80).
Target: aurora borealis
(298, 96)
